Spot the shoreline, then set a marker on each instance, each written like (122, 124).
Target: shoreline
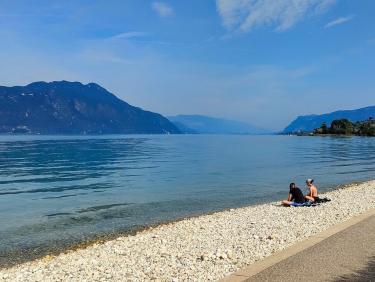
(219, 256)
(30, 256)
(102, 239)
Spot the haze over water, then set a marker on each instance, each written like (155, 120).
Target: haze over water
(56, 191)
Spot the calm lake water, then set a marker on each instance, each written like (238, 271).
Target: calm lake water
(56, 191)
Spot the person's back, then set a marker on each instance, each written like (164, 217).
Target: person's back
(295, 196)
(313, 194)
(314, 191)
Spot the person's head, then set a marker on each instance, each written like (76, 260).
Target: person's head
(309, 182)
(292, 185)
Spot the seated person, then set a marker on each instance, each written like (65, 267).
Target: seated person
(295, 196)
(313, 191)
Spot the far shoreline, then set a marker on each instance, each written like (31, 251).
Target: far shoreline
(310, 134)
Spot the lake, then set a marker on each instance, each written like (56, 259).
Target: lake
(56, 191)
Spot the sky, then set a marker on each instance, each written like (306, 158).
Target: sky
(259, 61)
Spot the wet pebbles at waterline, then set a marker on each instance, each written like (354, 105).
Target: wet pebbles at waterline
(204, 248)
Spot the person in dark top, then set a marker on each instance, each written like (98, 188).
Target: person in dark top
(295, 197)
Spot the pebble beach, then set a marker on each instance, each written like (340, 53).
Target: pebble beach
(204, 248)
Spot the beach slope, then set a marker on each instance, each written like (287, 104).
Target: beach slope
(204, 248)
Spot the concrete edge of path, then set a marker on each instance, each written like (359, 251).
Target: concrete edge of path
(261, 265)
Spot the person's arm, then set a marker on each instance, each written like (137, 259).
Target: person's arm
(290, 197)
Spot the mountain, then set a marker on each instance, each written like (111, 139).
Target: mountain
(310, 122)
(198, 124)
(63, 107)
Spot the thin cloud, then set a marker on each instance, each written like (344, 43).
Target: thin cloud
(246, 15)
(162, 9)
(339, 21)
(128, 35)
(101, 56)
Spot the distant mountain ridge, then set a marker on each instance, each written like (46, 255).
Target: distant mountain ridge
(200, 124)
(310, 122)
(63, 107)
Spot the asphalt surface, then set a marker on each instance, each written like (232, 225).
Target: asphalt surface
(346, 256)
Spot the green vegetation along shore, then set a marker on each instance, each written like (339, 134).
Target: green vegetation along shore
(346, 127)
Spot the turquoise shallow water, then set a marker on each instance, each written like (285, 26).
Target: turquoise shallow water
(59, 190)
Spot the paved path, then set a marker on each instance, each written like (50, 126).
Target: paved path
(333, 259)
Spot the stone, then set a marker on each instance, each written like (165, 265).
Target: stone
(205, 248)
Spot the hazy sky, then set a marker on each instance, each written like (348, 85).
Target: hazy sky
(260, 61)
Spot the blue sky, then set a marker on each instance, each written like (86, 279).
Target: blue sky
(259, 61)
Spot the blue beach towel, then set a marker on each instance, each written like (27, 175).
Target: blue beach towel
(305, 204)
